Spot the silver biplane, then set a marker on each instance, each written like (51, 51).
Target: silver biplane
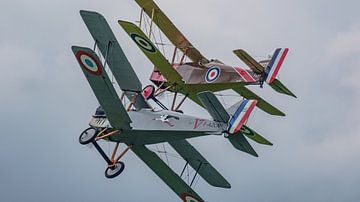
(138, 124)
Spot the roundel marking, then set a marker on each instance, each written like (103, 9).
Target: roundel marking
(143, 43)
(89, 63)
(212, 74)
(188, 198)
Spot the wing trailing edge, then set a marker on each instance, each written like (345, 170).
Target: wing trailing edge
(184, 191)
(198, 162)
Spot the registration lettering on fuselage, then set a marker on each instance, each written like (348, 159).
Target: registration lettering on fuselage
(206, 123)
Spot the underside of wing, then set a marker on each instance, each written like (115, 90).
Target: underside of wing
(115, 58)
(154, 55)
(184, 191)
(102, 87)
(145, 137)
(199, 163)
(262, 104)
(169, 29)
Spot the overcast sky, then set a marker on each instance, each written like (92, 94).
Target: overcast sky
(46, 102)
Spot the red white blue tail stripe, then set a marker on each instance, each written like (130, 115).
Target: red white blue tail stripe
(275, 63)
(241, 115)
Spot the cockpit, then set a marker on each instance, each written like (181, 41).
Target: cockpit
(99, 113)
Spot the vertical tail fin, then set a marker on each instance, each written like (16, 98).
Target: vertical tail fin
(241, 115)
(274, 64)
(235, 122)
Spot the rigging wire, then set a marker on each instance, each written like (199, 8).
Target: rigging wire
(167, 160)
(196, 181)
(161, 40)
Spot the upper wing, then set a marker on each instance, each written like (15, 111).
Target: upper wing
(114, 55)
(249, 61)
(262, 104)
(102, 87)
(151, 52)
(198, 162)
(169, 29)
(166, 174)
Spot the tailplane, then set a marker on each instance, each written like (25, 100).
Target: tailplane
(268, 68)
(234, 120)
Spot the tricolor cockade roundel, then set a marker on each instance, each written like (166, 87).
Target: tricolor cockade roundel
(188, 198)
(89, 63)
(143, 43)
(212, 74)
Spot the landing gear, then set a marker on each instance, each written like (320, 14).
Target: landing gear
(87, 136)
(92, 135)
(115, 170)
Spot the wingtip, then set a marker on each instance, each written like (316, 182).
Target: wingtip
(124, 22)
(84, 13)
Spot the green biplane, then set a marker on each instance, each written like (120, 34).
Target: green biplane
(190, 78)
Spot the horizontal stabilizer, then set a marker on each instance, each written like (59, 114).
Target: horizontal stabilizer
(241, 115)
(213, 106)
(251, 134)
(262, 104)
(281, 88)
(198, 162)
(239, 142)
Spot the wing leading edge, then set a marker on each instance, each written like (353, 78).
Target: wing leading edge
(198, 162)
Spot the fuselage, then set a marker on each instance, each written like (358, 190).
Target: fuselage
(147, 124)
(212, 72)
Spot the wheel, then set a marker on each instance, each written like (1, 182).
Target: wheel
(87, 135)
(115, 170)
